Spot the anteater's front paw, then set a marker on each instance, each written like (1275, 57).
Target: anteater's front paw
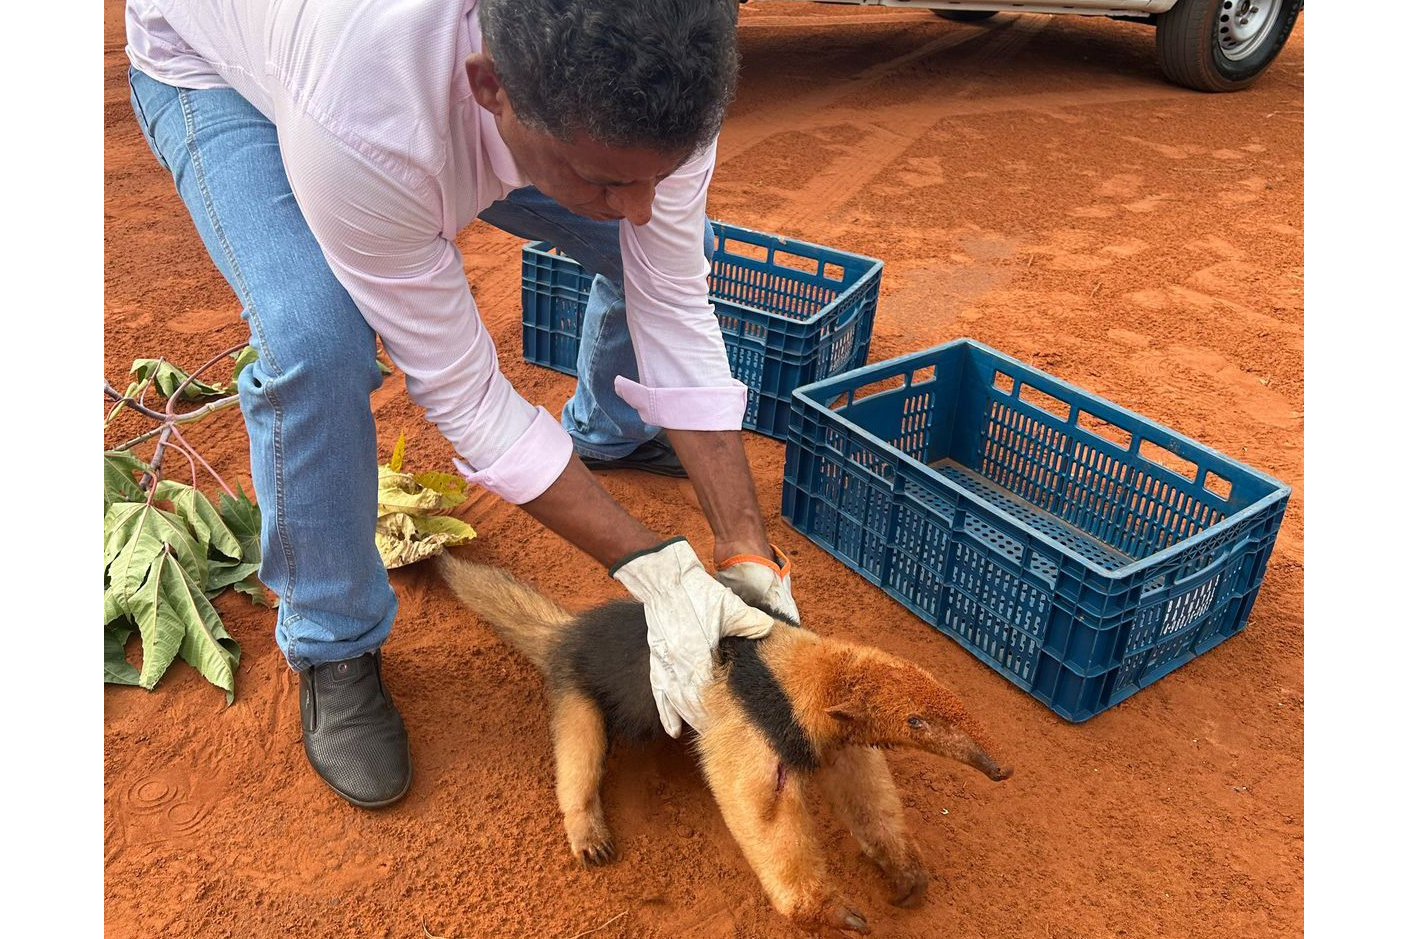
(909, 885)
(590, 840)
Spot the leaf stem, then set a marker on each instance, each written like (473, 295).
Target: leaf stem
(151, 380)
(185, 450)
(168, 419)
(188, 417)
(181, 388)
(210, 469)
(141, 389)
(133, 403)
(149, 480)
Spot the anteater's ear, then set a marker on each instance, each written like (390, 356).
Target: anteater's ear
(845, 713)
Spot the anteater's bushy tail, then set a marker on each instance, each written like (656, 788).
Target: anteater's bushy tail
(519, 614)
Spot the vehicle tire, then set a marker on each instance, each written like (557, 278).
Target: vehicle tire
(1222, 45)
(966, 16)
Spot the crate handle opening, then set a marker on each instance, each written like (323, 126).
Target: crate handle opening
(1100, 427)
(888, 383)
(1217, 485)
(747, 249)
(1002, 382)
(1162, 456)
(834, 272)
(796, 262)
(1029, 394)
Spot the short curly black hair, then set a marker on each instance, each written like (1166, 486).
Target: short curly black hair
(655, 74)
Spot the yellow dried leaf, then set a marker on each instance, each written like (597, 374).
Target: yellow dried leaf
(410, 526)
(451, 486)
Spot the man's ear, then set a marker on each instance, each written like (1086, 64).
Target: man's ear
(484, 82)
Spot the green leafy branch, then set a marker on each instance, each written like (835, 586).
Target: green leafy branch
(167, 550)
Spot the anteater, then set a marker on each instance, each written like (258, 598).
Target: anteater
(786, 711)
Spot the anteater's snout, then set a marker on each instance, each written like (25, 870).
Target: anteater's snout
(979, 760)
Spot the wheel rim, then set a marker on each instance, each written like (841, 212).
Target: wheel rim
(1244, 25)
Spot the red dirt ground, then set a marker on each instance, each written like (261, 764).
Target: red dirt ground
(1033, 184)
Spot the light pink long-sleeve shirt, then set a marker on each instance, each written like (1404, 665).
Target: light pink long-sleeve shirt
(389, 156)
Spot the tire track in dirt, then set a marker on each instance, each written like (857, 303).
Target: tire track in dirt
(823, 20)
(1042, 103)
(743, 133)
(882, 144)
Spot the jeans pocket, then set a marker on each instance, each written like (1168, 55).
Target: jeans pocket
(142, 123)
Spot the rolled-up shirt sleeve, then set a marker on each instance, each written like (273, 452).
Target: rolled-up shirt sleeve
(685, 382)
(380, 227)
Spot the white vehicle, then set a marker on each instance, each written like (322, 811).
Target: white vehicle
(1210, 45)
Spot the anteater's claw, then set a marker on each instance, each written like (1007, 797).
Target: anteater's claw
(598, 854)
(844, 916)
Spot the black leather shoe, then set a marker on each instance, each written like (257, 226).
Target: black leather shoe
(654, 456)
(353, 734)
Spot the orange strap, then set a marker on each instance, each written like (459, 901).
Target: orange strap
(783, 564)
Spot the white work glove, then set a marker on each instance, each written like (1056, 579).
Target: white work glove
(762, 582)
(687, 612)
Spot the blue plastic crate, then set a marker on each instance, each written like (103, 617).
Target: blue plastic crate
(791, 313)
(1081, 550)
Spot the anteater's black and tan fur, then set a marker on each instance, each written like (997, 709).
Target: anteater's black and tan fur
(786, 711)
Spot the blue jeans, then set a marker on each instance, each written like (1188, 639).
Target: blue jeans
(601, 424)
(306, 400)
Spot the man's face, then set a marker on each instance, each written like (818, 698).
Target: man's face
(584, 176)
